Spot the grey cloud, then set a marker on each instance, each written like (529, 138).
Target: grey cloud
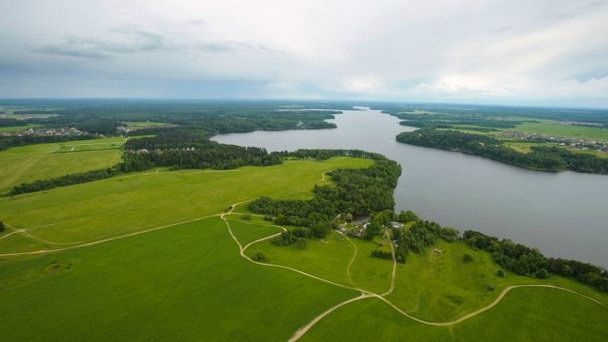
(197, 22)
(130, 40)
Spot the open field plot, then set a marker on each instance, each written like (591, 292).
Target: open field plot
(439, 286)
(563, 130)
(187, 282)
(155, 198)
(525, 314)
(19, 128)
(146, 124)
(42, 161)
(327, 258)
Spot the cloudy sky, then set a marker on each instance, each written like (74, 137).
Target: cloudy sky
(508, 52)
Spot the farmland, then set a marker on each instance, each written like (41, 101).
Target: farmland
(43, 161)
(154, 198)
(123, 237)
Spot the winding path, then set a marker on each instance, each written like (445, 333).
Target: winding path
(365, 294)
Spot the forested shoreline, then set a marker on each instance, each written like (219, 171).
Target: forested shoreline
(539, 158)
(355, 191)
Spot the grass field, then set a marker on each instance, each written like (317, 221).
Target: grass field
(146, 124)
(187, 281)
(526, 314)
(440, 286)
(155, 198)
(183, 283)
(42, 161)
(563, 130)
(18, 128)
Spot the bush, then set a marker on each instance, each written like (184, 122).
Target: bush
(246, 217)
(500, 273)
(382, 254)
(268, 218)
(449, 234)
(490, 287)
(259, 256)
(541, 274)
(2, 226)
(467, 257)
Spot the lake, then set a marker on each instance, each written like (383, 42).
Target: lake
(563, 214)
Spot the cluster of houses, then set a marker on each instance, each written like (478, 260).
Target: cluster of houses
(64, 131)
(357, 230)
(582, 144)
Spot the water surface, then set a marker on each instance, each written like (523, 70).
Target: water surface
(563, 214)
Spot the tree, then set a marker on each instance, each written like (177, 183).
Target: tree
(449, 234)
(408, 216)
(500, 273)
(348, 217)
(541, 274)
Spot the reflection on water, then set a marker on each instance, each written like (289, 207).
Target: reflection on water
(564, 214)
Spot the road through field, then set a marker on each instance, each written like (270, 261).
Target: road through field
(365, 294)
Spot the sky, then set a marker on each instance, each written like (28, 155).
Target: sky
(531, 52)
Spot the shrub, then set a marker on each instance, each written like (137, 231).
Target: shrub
(541, 274)
(246, 217)
(382, 254)
(467, 257)
(490, 287)
(259, 256)
(2, 226)
(268, 218)
(500, 273)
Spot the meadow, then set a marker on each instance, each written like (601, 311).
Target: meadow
(563, 130)
(187, 282)
(140, 201)
(525, 314)
(19, 128)
(43, 161)
(184, 281)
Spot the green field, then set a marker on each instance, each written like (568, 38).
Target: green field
(42, 161)
(146, 124)
(154, 198)
(147, 256)
(18, 128)
(563, 130)
(526, 314)
(183, 283)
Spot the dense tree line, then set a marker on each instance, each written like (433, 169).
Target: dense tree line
(495, 113)
(75, 178)
(540, 157)
(14, 141)
(12, 122)
(355, 191)
(530, 262)
(181, 149)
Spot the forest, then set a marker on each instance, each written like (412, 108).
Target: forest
(358, 192)
(540, 158)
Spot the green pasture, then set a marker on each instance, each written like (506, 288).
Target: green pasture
(563, 130)
(439, 286)
(19, 128)
(187, 282)
(154, 198)
(43, 161)
(525, 314)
